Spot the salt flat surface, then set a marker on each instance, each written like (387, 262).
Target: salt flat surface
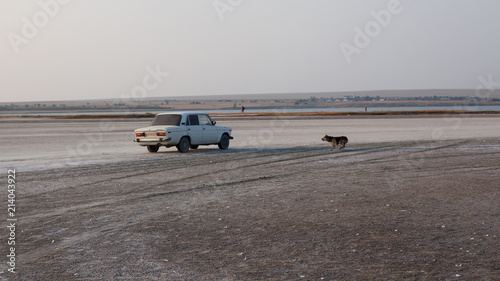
(29, 144)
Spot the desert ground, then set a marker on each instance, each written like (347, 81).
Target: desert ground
(414, 198)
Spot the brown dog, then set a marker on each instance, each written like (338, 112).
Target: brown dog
(338, 142)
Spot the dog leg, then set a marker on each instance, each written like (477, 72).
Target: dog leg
(342, 144)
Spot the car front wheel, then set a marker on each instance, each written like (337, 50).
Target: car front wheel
(224, 142)
(153, 148)
(183, 145)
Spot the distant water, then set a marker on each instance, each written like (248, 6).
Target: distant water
(323, 109)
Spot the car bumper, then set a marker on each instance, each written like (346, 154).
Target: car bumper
(145, 142)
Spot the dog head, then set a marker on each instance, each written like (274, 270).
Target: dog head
(325, 138)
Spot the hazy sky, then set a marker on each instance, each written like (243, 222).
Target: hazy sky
(75, 49)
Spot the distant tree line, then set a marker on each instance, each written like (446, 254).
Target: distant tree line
(311, 101)
(45, 107)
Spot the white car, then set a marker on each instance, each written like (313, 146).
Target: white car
(184, 130)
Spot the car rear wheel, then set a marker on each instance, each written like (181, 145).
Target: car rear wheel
(224, 142)
(153, 148)
(183, 145)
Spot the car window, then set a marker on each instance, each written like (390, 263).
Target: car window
(166, 119)
(193, 120)
(205, 120)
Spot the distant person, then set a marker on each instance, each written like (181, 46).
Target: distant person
(242, 109)
(366, 108)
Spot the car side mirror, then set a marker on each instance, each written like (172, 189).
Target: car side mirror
(213, 122)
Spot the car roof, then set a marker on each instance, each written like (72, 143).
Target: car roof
(182, 112)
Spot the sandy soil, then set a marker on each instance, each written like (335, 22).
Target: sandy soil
(413, 198)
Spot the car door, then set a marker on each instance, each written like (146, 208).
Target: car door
(210, 134)
(195, 131)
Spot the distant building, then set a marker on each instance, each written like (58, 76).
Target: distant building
(349, 97)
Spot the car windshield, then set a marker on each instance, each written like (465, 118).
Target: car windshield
(167, 119)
